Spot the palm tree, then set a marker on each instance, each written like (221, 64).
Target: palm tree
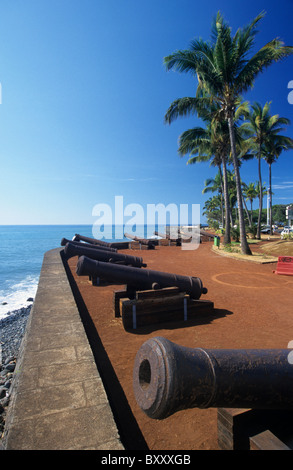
(212, 143)
(212, 210)
(261, 191)
(249, 192)
(224, 70)
(274, 146)
(215, 185)
(263, 126)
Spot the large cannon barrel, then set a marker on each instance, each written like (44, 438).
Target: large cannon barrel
(140, 279)
(88, 245)
(94, 241)
(71, 250)
(168, 378)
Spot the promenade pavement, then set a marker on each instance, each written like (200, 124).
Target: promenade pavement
(58, 401)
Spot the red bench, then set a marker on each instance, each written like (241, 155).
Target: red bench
(285, 265)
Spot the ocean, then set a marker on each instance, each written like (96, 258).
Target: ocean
(22, 249)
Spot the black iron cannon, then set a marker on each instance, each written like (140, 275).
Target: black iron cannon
(170, 234)
(176, 240)
(150, 243)
(88, 245)
(139, 279)
(71, 250)
(160, 234)
(207, 234)
(94, 241)
(168, 378)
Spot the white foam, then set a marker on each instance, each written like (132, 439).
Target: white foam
(16, 296)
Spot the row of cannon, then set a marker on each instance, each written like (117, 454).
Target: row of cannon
(168, 377)
(98, 261)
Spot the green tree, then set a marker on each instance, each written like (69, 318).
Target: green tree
(212, 211)
(279, 213)
(215, 185)
(261, 191)
(223, 69)
(274, 146)
(211, 143)
(264, 128)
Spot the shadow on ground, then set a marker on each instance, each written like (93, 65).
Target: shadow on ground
(204, 319)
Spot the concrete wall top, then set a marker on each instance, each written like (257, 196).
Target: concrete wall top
(58, 401)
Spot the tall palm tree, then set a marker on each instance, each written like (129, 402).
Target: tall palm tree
(212, 143)
(264, 127)
(250, 194)
(261, 191)
(215, 185)
(223, 68)
(274, 146)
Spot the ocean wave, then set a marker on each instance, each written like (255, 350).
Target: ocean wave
(15, 296)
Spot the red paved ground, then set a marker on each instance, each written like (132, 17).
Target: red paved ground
(252, 310)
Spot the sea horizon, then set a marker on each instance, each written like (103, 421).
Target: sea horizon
(22, 248)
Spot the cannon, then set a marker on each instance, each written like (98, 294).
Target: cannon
(176, 240)
(143, 241)
(139, 279)
(94, 241)
(168, 378)
(203, 233)
(88, 245)
(160, 234)
(71, 250)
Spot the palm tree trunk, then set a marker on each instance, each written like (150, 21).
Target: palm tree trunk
(222, 191)
(227, 235)
(258, 233)
(270, 193)
(243, 240)
(246, 210)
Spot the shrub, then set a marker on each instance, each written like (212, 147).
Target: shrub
(231, 249)
(252, 229)
(287, 236)
(235, 234)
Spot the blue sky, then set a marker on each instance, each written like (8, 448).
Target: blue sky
(84, 93)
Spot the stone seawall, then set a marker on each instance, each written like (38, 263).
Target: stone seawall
(58, 400)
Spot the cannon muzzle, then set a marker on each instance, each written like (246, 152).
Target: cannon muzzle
(168, 378)
(139, 279)
(71, 250)
(88, 245)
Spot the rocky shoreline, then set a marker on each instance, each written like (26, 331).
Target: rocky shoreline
(12, 329)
